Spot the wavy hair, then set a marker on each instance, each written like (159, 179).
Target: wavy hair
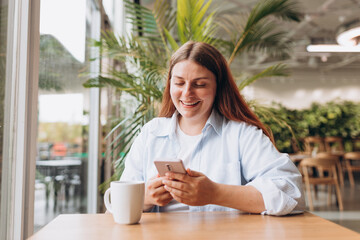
(228, 100)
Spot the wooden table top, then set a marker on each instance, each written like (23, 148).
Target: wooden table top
(200, 225)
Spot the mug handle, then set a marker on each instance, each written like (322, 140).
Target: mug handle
(106, 200)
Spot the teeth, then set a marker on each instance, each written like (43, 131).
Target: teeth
(189, 104)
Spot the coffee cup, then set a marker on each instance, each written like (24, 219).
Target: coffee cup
(127, 201)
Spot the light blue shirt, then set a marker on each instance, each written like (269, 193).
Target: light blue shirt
(229, 152)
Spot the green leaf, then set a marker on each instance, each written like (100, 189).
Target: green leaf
(171, 40)
(260, 25)
(194, 22)
(276, 70)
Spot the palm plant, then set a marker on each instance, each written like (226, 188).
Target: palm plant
(159, 32)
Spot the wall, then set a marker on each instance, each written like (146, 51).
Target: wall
(306, 86)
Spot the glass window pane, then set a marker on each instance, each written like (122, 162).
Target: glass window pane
(61, 166)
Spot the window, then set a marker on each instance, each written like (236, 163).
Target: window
(62, 164)
(32, 102)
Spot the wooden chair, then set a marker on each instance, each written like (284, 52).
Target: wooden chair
(298, 155)
(355, 144)
(329, 164)
(338, 164)
(295, 145)
(334, 144)
(314, 144)
(348, 158)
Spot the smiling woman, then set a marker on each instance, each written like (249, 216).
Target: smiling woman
(232, 163)
(192, 90)
(210, 60)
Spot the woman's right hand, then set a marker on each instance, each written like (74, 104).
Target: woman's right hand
(155, 193)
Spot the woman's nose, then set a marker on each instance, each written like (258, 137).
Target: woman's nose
(187, 90)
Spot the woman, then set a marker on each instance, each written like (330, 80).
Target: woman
(231, 158)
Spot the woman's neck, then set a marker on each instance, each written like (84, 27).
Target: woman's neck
(191, 127)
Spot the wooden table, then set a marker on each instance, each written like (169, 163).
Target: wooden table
(202, 225)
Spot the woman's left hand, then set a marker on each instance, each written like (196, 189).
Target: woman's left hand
(194, 188)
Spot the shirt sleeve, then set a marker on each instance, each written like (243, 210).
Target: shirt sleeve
(272, 173)
(134, 163)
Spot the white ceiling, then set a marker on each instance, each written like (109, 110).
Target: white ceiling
(315, 77)
(320, 24)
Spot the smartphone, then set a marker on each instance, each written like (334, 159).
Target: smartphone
(169, 165)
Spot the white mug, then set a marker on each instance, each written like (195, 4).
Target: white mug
(127, 201)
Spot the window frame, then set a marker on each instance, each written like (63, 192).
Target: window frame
(20, 119)
(94, 159)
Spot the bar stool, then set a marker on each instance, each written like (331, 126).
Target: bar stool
(348, 158)
(329, 164)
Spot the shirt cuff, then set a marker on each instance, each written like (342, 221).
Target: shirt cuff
(276, 201)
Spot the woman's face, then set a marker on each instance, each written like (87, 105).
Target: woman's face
(192, 90)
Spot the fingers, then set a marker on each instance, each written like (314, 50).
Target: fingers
(176, 184)
(178, 176)
(178, 195)
(159, 190)
(156, 182)
(193, 173)
(184, 177)
(155, 186)
(178, 190)
(163, 199)
(155, 193)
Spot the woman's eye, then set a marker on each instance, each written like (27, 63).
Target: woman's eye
(179, 83)
(200, 84)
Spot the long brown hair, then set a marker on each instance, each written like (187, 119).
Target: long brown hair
(228, 100)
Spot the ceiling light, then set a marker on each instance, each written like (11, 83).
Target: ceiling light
(350, 37)
(332, 48)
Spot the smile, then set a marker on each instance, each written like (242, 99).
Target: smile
(189, 103)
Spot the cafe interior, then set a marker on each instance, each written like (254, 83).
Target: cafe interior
(66, 125)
